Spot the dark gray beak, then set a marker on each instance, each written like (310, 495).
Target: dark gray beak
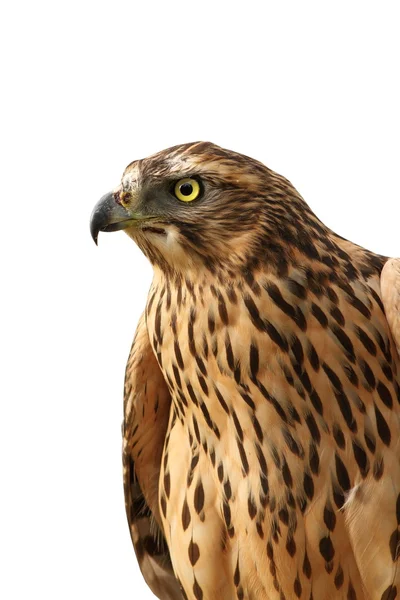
(109, 215)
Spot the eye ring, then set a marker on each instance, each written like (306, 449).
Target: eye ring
(187, 189)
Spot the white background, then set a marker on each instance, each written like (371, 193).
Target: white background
(309, 88)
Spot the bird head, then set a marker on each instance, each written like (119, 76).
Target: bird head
(199, 205)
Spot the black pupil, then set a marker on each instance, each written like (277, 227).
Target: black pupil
(186, 189)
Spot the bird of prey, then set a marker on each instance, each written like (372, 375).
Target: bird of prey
(261, 434)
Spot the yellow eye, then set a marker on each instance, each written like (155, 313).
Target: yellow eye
(187, 189)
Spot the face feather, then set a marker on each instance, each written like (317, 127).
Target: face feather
(243, 216)
(246, 214)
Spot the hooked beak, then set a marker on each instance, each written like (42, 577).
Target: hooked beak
(109, 215)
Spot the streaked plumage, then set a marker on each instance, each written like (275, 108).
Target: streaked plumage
(261, 427)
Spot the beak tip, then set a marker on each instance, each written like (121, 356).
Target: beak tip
(100, 215)
(94, 233)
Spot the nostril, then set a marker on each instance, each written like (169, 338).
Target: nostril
(122, 198)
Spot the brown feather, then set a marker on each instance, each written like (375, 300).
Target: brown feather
(146, 412)
(272, 364)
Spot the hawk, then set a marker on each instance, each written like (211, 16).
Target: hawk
(261, 433)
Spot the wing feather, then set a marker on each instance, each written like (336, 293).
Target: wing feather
(146, 411)
(390, 288)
